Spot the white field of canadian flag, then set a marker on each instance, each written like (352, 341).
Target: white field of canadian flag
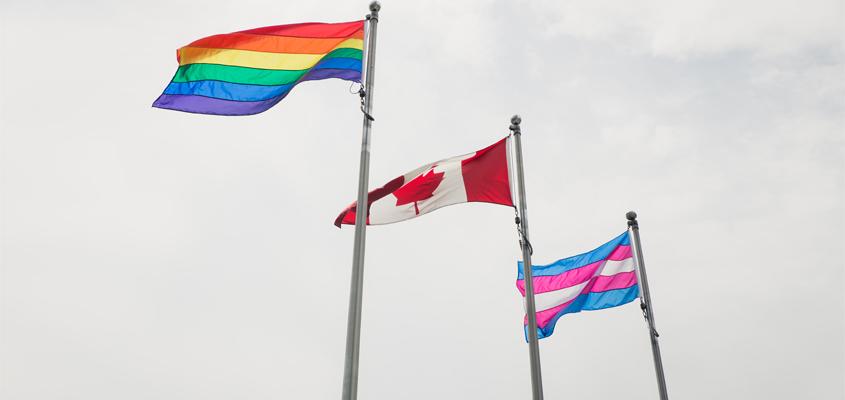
(481, 176)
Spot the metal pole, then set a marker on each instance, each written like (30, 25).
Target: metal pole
(645, 303)
(353, 326)
(531, 311)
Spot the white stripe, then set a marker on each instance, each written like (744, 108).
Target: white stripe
(547, 300)
(450, 191)
(544, 301)
(511, 182)
(611, 267)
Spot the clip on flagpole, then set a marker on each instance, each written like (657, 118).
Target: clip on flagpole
(353, 327)
(530, 306)
(645, 303)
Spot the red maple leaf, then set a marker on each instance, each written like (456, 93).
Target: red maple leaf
(419, 188)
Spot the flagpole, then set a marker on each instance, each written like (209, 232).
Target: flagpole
(645, 304)
(525, 244)
(353, 326)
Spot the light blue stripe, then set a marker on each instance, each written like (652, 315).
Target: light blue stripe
(590, 302)
(560, 266)
(227, 90)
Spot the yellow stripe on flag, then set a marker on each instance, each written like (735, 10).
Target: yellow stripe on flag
(247, 58)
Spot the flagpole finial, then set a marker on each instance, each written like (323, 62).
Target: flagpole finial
(515, 121)
(375, 7)
(632, 218)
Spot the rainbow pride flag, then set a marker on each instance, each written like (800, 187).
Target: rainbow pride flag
(247, 72)
(603, 278)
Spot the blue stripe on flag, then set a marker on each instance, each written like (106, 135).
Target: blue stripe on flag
(590, 302)
(339, 63)
(560, 266)
(228, 90)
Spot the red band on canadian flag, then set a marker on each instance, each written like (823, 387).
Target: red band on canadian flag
(482, 176)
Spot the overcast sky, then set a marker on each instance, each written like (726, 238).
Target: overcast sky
(152, 254)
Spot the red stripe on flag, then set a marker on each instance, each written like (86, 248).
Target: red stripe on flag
(311, 30)
(486, 177)
(347, 216)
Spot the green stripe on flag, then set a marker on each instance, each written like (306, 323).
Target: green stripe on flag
(345, 53)
(250, 76)
(233, 74)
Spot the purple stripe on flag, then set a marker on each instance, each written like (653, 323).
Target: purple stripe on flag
(208, 105)
(213, 106)
(346, 74)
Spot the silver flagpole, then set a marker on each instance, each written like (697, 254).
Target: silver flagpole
(533, 345)
(353, 326)
(645, 303)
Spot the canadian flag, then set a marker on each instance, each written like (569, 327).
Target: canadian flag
(481, 176)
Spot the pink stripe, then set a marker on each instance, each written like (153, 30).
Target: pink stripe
(621, 280)
(543, 317)
(620, 253)
(569, 278)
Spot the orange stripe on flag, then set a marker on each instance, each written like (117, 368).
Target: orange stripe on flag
(279, 44)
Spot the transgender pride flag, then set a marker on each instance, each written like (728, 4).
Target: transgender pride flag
(602, 278)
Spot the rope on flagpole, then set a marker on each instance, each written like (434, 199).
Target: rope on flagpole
(373, 16)
(645, 302)
(523, 240)
(530, 304)
(363, 94)
(647, 318)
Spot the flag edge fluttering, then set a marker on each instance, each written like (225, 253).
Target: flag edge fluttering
(198, 98)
